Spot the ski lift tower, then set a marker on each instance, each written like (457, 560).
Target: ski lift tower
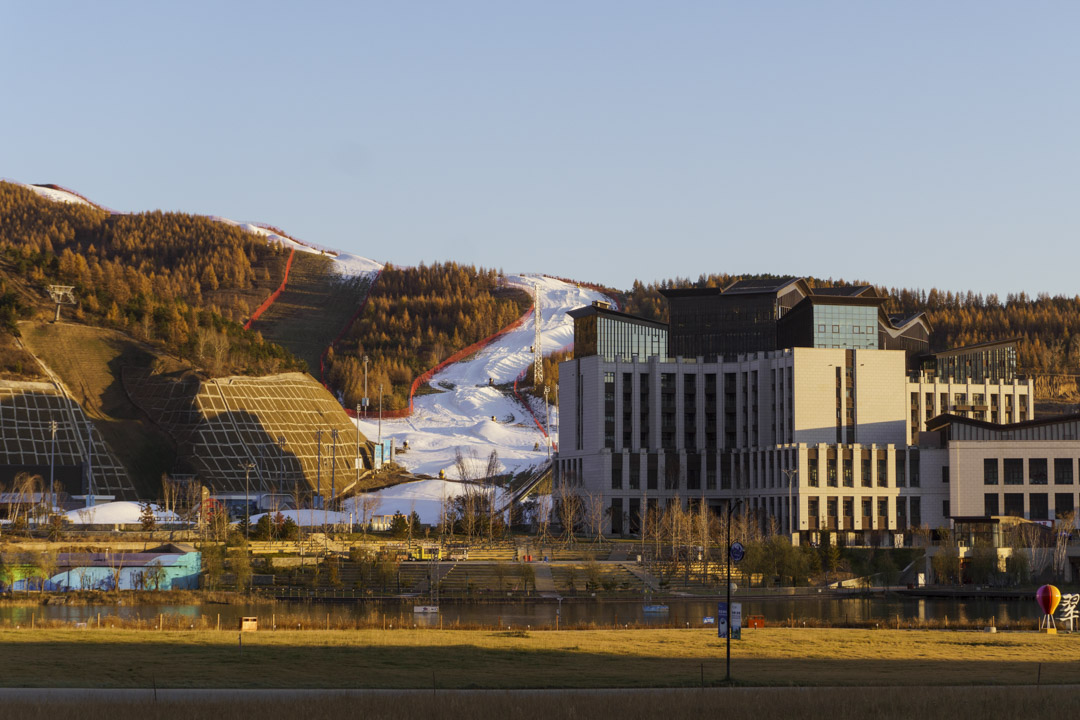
(61, 295)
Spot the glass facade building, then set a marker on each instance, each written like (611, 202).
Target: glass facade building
(611, 334)
(853, 327)
(995, 362)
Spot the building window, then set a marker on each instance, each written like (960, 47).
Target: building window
(882, 472)
(990, 471)
(944, 473)
(616, 472)
(1014, 504)
(1063, 505)
(1014, 474)
(831, 462)
(901, 471)
(866, 479)
(1040, 510)
(945, 509)
(1037, 471)
(836, 329)
(990, 505)
(812, 473)
(1063, 471)
(821, 328)
(916, 511)
(849, 477)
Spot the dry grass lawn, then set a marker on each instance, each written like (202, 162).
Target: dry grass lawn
(503, 660)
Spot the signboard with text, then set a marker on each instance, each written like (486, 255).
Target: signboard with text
(722, 620)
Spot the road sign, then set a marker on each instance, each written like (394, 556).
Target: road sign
(722, 620)
(737, 552)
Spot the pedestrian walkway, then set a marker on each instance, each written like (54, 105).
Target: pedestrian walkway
(641, 574)
(545, 584)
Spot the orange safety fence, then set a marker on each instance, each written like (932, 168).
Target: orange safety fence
(459, 355)
(274, 295)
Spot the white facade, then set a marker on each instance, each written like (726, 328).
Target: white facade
(639, 434)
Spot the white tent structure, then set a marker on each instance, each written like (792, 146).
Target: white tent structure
(118, 513)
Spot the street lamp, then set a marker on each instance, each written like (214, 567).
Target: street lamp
(791, 473)
(52, 465)
(333, 465)
(247, 497)
(732, 504)
(364, 400)
(318, 460)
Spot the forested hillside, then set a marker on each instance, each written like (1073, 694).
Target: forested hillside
(414, 319)
(181, 281)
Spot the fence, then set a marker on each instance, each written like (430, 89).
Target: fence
(274, 295)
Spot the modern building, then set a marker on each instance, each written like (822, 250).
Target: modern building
(804, 406)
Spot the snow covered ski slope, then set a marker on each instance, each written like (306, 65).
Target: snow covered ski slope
(459, 415)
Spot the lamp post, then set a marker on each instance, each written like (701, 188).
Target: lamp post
(791, 473)
(333, 465)
(732, 503)
(364, 400)
(52, 465)
(247, 498)
(380, 416)
(318, 460)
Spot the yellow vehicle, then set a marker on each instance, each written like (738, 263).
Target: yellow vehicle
(426, 552)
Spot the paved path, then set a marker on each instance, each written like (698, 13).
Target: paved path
(640, 573)
(545, 584)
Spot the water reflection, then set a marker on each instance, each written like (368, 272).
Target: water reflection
(682, 611)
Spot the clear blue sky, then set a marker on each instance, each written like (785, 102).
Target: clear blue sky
(908, 143)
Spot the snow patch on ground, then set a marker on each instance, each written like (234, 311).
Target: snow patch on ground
(459, 416)
(57, 195)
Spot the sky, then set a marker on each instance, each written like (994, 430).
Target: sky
(908, 144)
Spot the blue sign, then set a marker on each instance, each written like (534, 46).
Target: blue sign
(737, 552)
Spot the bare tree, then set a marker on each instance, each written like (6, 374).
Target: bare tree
(595, 512)
(369, 505)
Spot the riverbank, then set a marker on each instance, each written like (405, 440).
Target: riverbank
(445, 659)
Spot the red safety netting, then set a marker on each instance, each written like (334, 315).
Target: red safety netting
(274, 295)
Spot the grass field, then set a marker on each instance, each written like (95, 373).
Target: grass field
(446, 659)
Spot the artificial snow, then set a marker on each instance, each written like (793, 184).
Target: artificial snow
(459, 416)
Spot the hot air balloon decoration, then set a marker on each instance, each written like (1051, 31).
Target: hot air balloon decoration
(1048, 598)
